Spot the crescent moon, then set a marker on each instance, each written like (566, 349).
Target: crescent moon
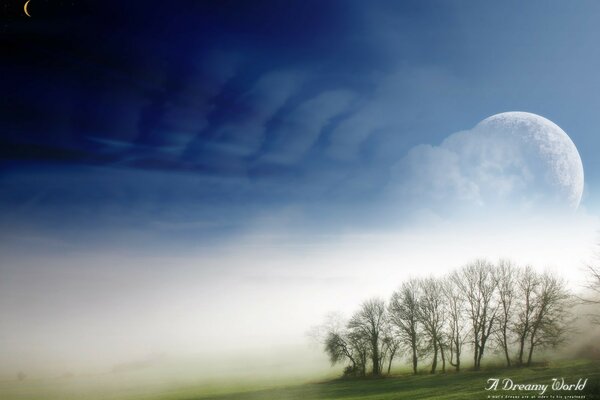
(25, 8)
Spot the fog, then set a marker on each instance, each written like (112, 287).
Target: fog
(87, 310)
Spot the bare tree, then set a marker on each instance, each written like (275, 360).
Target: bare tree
(432, 315)
(442, 346)
(592, 297)
(478, 284)
(594, 281)
(527, 286)
(436, 317)
(339, 349)
(505, 274)
(404, 316)
(334, 338)
(455, 305)
(550, 316)
(342, 345)
(369, 323)
(360, 346)
(390, 347)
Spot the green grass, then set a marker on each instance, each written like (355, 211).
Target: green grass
(447, 386)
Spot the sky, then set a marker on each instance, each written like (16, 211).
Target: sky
(169, 167)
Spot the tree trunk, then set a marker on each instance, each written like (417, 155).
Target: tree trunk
(390, 361)
(531, 346)
(443, 357)
(352, 360)
(521, 348)
(457, 356)
(456, 364)
(375, 359)
(529, 357)
(480, 357)
(414, 354)
(523, 335)
(435, 354)
(505, 345)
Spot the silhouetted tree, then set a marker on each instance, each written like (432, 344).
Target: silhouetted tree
(360, 346)
(455, 305)
(431, 315)
(592, 298)
(404, 316)
(339, 349)
(550, 315)
(506, 274)
(437, 316)
(341, 345)
(478, 284)
(390, 346)
(527, 287)
(369, 323)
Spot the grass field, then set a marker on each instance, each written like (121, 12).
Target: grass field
(464, 385)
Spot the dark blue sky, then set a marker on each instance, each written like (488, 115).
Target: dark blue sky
(197, 117)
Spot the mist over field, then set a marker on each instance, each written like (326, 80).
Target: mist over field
(252, 299)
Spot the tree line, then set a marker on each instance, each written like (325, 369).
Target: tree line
(478, 308)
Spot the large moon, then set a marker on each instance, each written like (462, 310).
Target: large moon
(539, 152)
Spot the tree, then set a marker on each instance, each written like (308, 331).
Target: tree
(542, 312)
(593, 288)
(338, 348)
(594, 281)
(368, 323)
(527, 286)
(478, 284)
(505, 275)
(431, 315)
(404, 316)
(550, 316)
(361, 348)
(390, 347)
(341, 345)
(455, 305)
